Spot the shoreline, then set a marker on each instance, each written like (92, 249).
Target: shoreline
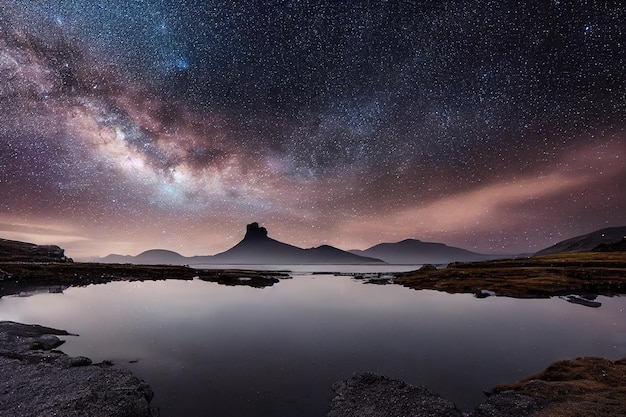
(17, 277)
(581, 387)
(583, 274)
(43, 381)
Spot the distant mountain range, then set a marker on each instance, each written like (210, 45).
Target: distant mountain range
(587, 242)
(255, 248)
(258, 248)
(412, 251)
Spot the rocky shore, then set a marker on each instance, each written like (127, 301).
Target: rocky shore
(18, 277)
(586, 273)
(583, 387)
(41, 381)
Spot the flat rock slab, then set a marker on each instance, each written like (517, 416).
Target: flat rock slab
(37, 381)
(370, 395)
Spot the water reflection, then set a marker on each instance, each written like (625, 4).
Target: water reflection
(239, 351)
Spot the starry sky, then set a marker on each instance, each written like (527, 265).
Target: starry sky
(126, 125)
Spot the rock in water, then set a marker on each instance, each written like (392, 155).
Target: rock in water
(370, 395)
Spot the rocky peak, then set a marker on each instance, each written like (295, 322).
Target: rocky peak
(254, 231)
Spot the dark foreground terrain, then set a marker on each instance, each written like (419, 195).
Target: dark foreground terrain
(583, 387)
(38, 380)
(41, 381)
(585, 273)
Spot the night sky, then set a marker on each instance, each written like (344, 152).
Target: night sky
(125, 125)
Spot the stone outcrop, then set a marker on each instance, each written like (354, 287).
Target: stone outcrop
(45, 382)
(254, 231)
(14, 251)
(370, 395)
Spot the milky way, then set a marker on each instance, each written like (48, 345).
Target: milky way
(129, 125)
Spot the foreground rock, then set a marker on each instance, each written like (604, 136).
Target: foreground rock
(583, 387)
(38, 381)
(369, 395)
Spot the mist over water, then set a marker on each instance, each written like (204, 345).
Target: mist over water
(211, 349)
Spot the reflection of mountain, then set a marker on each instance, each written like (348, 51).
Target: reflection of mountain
(588, 242)
(412, 251)
(255, 248)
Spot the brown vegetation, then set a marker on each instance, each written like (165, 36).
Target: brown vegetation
(576, 388)
(601, 273)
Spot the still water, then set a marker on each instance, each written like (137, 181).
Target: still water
(216, 350)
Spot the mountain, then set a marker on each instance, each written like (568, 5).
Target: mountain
(588, 242)
(255, 248)
(160, 256)
(413, 251)
(258, 248)
(150, 257)
(15, 251)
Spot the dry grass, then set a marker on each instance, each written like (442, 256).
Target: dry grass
(580, 387)
(543, 276)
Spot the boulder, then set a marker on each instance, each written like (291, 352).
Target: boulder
(370, 395)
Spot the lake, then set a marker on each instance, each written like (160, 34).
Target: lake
(217, 350)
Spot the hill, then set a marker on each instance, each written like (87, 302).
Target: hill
(255, 248)
(611, 247)
(413, 251)
(587, 242)
(258, 248)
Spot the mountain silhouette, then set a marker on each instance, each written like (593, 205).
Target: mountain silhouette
(413, 251)
(258, 248)
(587, 242)
(149, 257)
(255, 248)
